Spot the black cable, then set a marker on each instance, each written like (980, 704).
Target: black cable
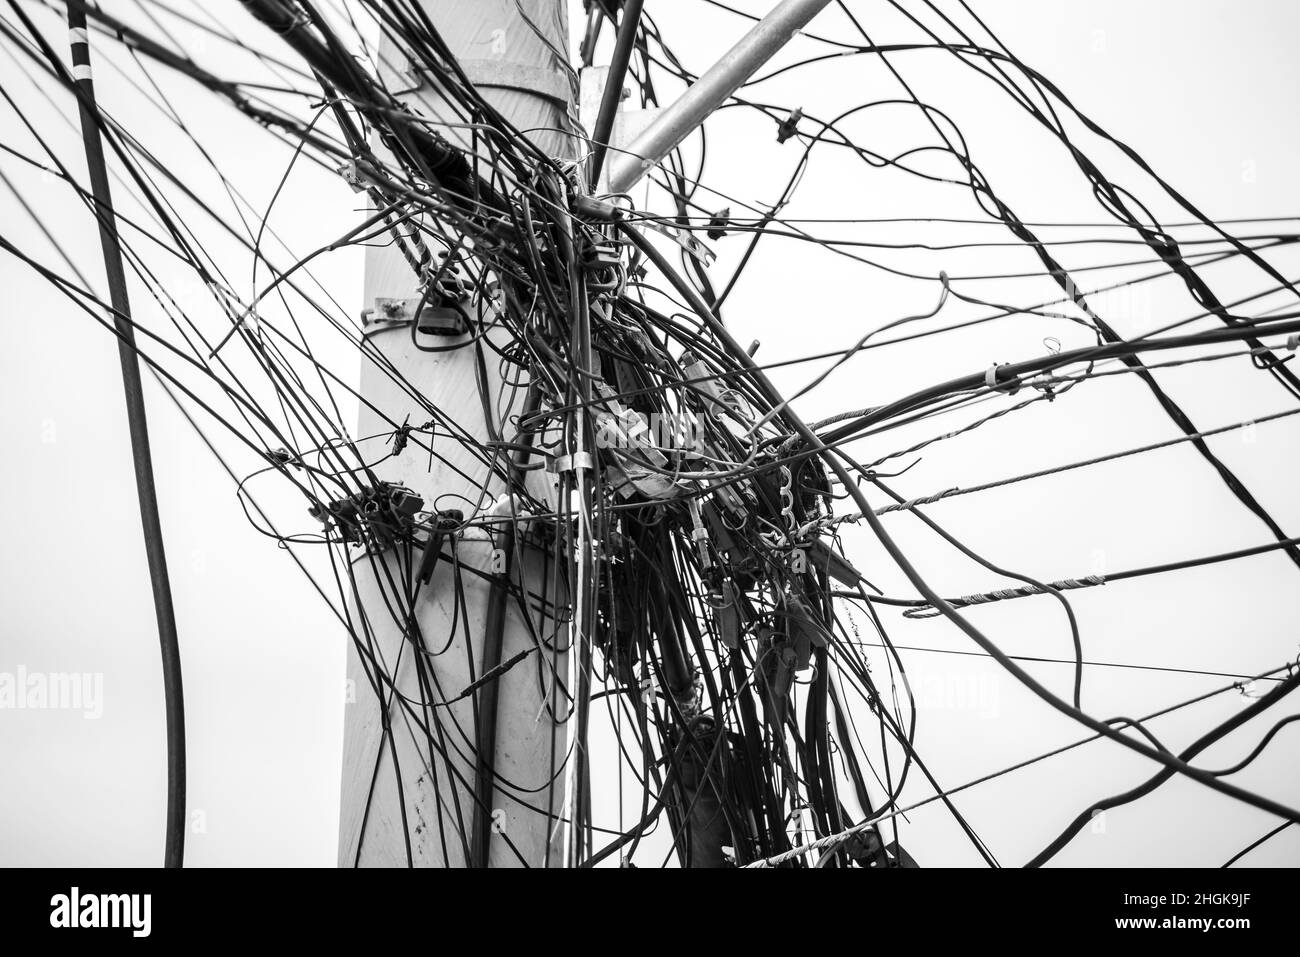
(1254, 844)
(173, 692)
(629, 23)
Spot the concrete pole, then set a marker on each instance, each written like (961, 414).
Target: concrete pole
(517, 70)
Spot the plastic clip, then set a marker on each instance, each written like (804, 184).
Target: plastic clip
(1010, 386)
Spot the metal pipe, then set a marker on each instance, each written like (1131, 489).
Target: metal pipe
(710, 91)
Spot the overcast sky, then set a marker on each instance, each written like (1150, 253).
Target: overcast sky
(1203, 90)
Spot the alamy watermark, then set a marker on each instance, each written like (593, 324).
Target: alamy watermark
(24, 690)
(127, 911)
(979, 695)
(658, 430)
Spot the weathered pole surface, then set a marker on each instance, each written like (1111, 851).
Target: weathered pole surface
(442, 802)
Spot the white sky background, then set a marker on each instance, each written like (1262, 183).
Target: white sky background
(1204, 91)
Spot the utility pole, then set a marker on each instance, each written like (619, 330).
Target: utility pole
(509, 774)
(510, 51)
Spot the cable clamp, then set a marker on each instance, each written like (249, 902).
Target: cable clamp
(353, 177)
(571, 463)
(789, 126)
(1010, 387)
(699, 533)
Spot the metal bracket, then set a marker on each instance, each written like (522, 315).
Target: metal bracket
(570, 463)
(434, 319)
(390, 309)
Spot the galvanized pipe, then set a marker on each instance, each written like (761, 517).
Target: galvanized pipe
(710, 91)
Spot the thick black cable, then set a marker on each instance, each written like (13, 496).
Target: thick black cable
(155, 551)
(629, 23)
